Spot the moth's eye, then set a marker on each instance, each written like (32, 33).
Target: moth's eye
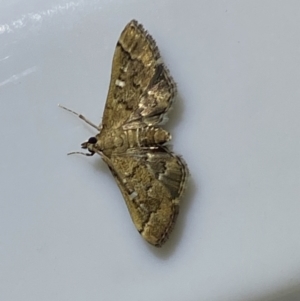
(92, 140)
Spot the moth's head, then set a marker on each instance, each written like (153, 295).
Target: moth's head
(90, 145)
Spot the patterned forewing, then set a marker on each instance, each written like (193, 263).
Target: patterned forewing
(141, 90)
(151, 182)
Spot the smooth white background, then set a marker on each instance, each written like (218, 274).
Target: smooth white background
(65, 233)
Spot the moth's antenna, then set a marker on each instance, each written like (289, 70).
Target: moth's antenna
(82, 117)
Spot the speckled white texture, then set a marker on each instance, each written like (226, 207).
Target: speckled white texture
(65, 233)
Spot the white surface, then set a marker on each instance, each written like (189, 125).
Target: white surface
(65, 233)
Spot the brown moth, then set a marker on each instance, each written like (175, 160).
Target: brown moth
(130, 140)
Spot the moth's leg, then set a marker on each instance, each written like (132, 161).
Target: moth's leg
(81, 153)
(83, 118)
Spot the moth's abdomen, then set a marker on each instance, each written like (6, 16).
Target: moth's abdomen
(147, 136)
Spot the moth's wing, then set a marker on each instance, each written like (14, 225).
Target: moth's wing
(152, 182)
(141, 90)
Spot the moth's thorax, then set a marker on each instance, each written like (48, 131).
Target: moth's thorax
(120, 140)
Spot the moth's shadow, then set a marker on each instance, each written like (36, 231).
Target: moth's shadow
(169, 248)
(175, 114)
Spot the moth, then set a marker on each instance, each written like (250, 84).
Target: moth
(131, 141)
